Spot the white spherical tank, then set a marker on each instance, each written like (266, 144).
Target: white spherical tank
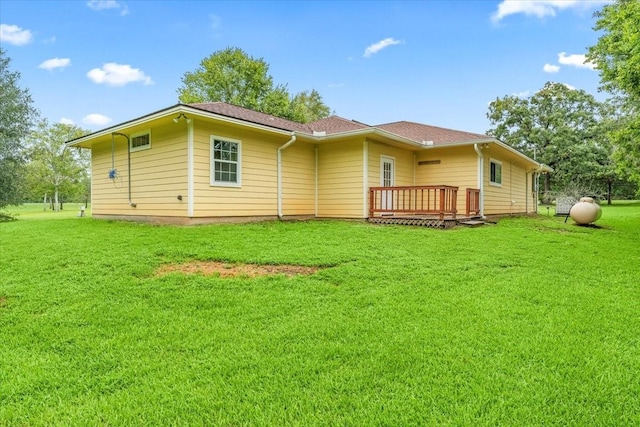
(585, 211)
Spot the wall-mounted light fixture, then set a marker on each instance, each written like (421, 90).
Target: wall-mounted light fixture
(181, 116)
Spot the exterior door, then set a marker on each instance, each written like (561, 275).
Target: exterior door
(387, 179)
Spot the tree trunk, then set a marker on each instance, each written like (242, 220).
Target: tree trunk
(609, 185)
(547, 184)
(44, 202)
(56, 205)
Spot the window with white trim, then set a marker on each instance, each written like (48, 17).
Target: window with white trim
(226, 157)
(141, 140)
(495, 176)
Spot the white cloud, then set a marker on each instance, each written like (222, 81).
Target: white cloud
(522, 94)
(108, 4)
(96, 119)
(113, 74)
(549, 68)
(568, 86)
(377, 47)
(15, 35)
(54, 63)
(575, 60)
(66, 121)
(540, 8)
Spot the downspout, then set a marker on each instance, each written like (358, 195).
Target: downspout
(526, 192)
(480, 177)
(279, 172)
(316, 184)
(190, 168)
(365, 179)
(132, 204)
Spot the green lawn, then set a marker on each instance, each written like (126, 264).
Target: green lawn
(532, 321)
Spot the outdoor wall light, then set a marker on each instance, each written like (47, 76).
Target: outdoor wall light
(181, 116)
(180, 197)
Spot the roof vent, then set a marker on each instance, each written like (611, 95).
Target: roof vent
(317, 133)
(427, 142)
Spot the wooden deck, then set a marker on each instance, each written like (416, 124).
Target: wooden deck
(422, 220)
(427, 206)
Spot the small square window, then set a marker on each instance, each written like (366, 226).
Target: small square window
(141, 140)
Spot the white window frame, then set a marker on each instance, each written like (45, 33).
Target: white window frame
(137, 134)
(491, 181)
(212, 160)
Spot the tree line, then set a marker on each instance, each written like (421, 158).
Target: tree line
(592, 146)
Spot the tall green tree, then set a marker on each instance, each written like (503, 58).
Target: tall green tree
(617, 58)
(17, 116)
(54, 168)
(560, 127)
(231, 75)
(307, 106)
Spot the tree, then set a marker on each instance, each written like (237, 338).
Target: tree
(17, 116)
(308, 107)
(55, 168)
(232, 76)
(560, 127)
(617, 58)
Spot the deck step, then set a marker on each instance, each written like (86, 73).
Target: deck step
(472, 222)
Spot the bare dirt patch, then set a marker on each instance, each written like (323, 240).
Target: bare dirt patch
(3, 301)
(223, 269)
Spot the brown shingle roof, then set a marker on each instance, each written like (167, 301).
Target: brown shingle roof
(235, 112)
(336, 124)
(419, 133)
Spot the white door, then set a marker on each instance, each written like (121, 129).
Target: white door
(387, 179)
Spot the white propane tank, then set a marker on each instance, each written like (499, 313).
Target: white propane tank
(585, 211)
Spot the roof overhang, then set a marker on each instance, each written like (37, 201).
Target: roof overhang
(166, 113)
(370, 132)
(539, 167)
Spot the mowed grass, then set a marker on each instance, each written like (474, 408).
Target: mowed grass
(532, 321)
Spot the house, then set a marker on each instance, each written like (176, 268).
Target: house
(195, 163)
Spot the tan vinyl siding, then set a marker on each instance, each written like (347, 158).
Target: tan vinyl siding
(458, 167)
(511, 196)
(298, 179)
(158, 175)
(340, 179)
(404, 161)
(257, 195)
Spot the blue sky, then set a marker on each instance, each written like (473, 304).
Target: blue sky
(98, 63)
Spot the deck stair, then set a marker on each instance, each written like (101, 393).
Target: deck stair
(471, 222)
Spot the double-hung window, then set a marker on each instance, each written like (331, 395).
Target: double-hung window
(496, 172)
(226, 156)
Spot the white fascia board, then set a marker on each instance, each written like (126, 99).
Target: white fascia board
(540, 166)
(170, 111)
(175, 109)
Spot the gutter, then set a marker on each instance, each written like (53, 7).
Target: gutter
(282, 147)
(480, 177)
